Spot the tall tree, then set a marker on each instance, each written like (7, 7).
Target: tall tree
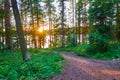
(79, 9)
(84, 19)
(62, 22)
(33, 23)
(50, 9)
(117, 4)
(23, 46)
(100, 14)
(39, 15)
(7, 24)
(74, 23)
(24, 7)
(2, 15)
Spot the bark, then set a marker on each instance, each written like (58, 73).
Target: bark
(79, 27)
(63, 35)
(50, 28)
(23, 46)
(76, 26)
(74, 21)
(118, 22)
(73, 8)
(7, 24)
(2, 24)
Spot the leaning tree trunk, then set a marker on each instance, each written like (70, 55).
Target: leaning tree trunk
(7, 24)
(23, 46)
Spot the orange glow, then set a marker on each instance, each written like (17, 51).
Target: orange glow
(40, 29)
(111, 72)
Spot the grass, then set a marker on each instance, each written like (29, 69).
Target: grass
(44, 65)
(81, 50)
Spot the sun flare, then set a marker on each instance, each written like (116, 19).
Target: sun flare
(41, 29)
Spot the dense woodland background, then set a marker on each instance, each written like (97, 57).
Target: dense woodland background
(85, 26)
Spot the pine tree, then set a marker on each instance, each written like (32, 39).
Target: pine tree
(50, 9)
(7, 24)
(100, 14)
(79, 9)
(23, 46)
(62, 22)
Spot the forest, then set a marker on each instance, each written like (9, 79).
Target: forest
(59, 39)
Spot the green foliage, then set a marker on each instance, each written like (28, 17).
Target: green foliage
(99, 43)
(112, 53)
(71, 40)
(68, 49)
(82, 50)
(100, 17)
(44, 64)
(12, 75)
(2, 46)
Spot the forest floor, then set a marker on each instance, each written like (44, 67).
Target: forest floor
(80, 68)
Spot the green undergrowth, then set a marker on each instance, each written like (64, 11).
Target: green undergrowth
(112, 53)
(67, 49)
(43, 65)
(82, 50)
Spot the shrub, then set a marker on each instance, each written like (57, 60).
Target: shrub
(112, 53)
(71, 40)
(44, 64)
(81, 49)
(99, 43)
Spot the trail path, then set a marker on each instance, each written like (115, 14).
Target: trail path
(80, 68)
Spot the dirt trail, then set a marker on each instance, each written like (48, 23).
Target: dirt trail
(79, 68)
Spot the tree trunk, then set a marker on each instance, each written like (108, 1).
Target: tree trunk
(73, 7)
(118, 22)
(7, 24)
(79, 26)
(63, 35)
(25, 53)
(33, 26)
(50, 28)
(76, 26)
(2, 24)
